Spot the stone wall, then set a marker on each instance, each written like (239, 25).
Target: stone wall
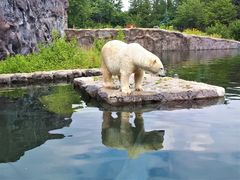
(24, 23)
(45, 77)
(155, 40)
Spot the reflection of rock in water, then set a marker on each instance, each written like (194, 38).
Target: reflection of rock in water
(24, 125)
(204, 56)
(119, 133)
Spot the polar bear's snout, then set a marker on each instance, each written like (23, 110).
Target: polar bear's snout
(162, 72)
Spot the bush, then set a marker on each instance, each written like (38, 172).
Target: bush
(220, 29)
(234, 28)
(190, 14)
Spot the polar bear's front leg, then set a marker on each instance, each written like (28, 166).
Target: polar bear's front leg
(138, 77)
(107, 77)
(125, 83)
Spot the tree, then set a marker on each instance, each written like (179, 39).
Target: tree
(159, 10)
(79, 13)
(140, 12)
(190, 14)
(220, 11)
(236, 3)
(87, 13)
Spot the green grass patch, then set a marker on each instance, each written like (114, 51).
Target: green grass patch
(200, 33)
(57, 55)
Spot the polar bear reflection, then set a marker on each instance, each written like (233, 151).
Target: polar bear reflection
(119, 133)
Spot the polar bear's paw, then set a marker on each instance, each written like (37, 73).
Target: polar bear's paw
(126, 91)
(138, 89)
(108, 85)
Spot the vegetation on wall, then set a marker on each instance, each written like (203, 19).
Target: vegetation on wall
(58, 55)
(221, 17)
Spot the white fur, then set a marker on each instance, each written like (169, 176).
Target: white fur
(121, 59)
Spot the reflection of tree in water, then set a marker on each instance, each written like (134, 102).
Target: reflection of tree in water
(25, 124)
(119, 133)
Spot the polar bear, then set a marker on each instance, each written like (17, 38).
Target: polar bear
(121, 59)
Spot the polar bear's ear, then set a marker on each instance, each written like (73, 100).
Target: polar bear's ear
(153, 61)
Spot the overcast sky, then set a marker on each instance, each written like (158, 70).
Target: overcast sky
(125, 4)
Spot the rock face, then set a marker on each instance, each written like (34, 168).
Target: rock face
(156, 89)
(155, 40)
(25, 23)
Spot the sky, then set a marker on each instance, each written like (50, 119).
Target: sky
(125, 4)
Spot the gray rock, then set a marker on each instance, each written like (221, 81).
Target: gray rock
(25, 23)
(42, 77)
(20, 78)
(45, 76)
(155, 90)
(155, 40)
(5, 79)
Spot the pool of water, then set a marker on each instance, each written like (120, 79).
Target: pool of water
(51, 132)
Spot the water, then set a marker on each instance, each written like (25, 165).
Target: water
(49, 132)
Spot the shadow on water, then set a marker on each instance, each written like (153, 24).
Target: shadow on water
(27, 116)
(119, 133)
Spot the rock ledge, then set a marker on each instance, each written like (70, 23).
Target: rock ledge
(155, 90)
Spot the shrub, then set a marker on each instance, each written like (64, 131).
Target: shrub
(220, 29)
(234, 28)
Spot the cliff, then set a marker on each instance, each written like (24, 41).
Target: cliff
(25, 23)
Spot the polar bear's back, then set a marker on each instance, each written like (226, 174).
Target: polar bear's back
(111, 55)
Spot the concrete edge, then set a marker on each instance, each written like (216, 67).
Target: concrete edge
(46, 77)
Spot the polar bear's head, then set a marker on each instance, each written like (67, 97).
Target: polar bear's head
(156, 66)
(144, 59)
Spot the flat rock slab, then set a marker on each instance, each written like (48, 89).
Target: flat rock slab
(156, 89)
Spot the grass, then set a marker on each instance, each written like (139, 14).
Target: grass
(193, 31)
(58, 55)
(200, 33)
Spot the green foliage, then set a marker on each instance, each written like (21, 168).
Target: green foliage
(79, 13)
(190, 14)
(235, 29)
(213, 17)
(99, 13)
(220, 29)
(60, 54)
(140, 11)
(200, 33)
(120, 35)
(220, 11)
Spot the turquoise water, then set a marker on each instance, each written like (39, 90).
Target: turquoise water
(50, 132)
